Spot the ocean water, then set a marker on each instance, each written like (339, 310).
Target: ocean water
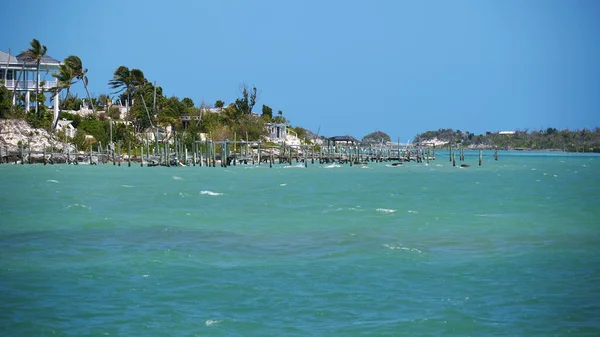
(508, 248)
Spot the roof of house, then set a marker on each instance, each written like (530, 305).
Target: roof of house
(45, 59)
(4, 57)
(343, 139)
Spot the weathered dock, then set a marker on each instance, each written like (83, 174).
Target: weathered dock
(211, 153)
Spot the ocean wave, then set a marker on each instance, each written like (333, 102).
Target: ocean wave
(177, 178)
(294, 166)
(128, 186)
(385, 210)
(210, 322)
(282, 184)
(206, 192)
(78, 206)
(52, 181)
(401, 247)
(332, 166)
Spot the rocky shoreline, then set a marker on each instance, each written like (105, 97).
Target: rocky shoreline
(14, 132)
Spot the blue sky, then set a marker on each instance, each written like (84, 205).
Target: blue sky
(344, 67)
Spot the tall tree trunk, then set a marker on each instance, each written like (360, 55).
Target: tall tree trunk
(16, 85)
(88, 95)
(37, 87)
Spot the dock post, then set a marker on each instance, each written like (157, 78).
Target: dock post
(142, 155)
(194, 147)
(496, 155)
(258, 155)
(480, 157)
(129, 154)
(454, 159)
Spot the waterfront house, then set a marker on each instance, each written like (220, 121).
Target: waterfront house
(22, 76)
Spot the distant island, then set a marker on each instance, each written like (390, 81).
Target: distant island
(584, 140)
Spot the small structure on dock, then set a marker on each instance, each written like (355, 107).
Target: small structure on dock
(347, 140)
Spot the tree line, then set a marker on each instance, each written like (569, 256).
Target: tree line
(584, 140)
(148, 109)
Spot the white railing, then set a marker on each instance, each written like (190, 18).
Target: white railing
(29, 85)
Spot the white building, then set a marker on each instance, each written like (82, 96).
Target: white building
(277, 132)
(22, 76)
(67, 127)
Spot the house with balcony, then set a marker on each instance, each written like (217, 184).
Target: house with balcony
(22, 76)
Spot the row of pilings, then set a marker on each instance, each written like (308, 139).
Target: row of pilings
(209, 153)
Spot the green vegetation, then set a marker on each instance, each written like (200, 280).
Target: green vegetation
(549, 139)
(148, 110)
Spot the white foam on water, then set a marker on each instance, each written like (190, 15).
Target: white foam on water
(78, 206)
(282, 184)
(128, 186)
(555, 176)
(533, 169)
(386, 210)
(210, 193)
(439, 165)
(416, 212)
(332, 166)
(145, 275)
(177, 178)
(210, 322)
(401, 247)
(294, 166)
(52, 181)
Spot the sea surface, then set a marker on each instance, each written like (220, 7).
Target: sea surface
(508, 248)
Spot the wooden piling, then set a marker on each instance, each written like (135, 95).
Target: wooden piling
(129, 154)
(480, 157)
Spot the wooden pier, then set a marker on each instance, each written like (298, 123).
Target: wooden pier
(208, 153)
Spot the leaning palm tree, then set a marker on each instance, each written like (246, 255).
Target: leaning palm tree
(127, 81)
(74, 63)
(35, 54)
(64, 80)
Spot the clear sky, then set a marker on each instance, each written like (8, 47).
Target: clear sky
(343, 67)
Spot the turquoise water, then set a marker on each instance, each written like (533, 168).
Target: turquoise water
(509, 248)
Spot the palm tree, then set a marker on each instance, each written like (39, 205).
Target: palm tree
(127, 81)
(35, 54)
(64, 80)
(74, 63)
